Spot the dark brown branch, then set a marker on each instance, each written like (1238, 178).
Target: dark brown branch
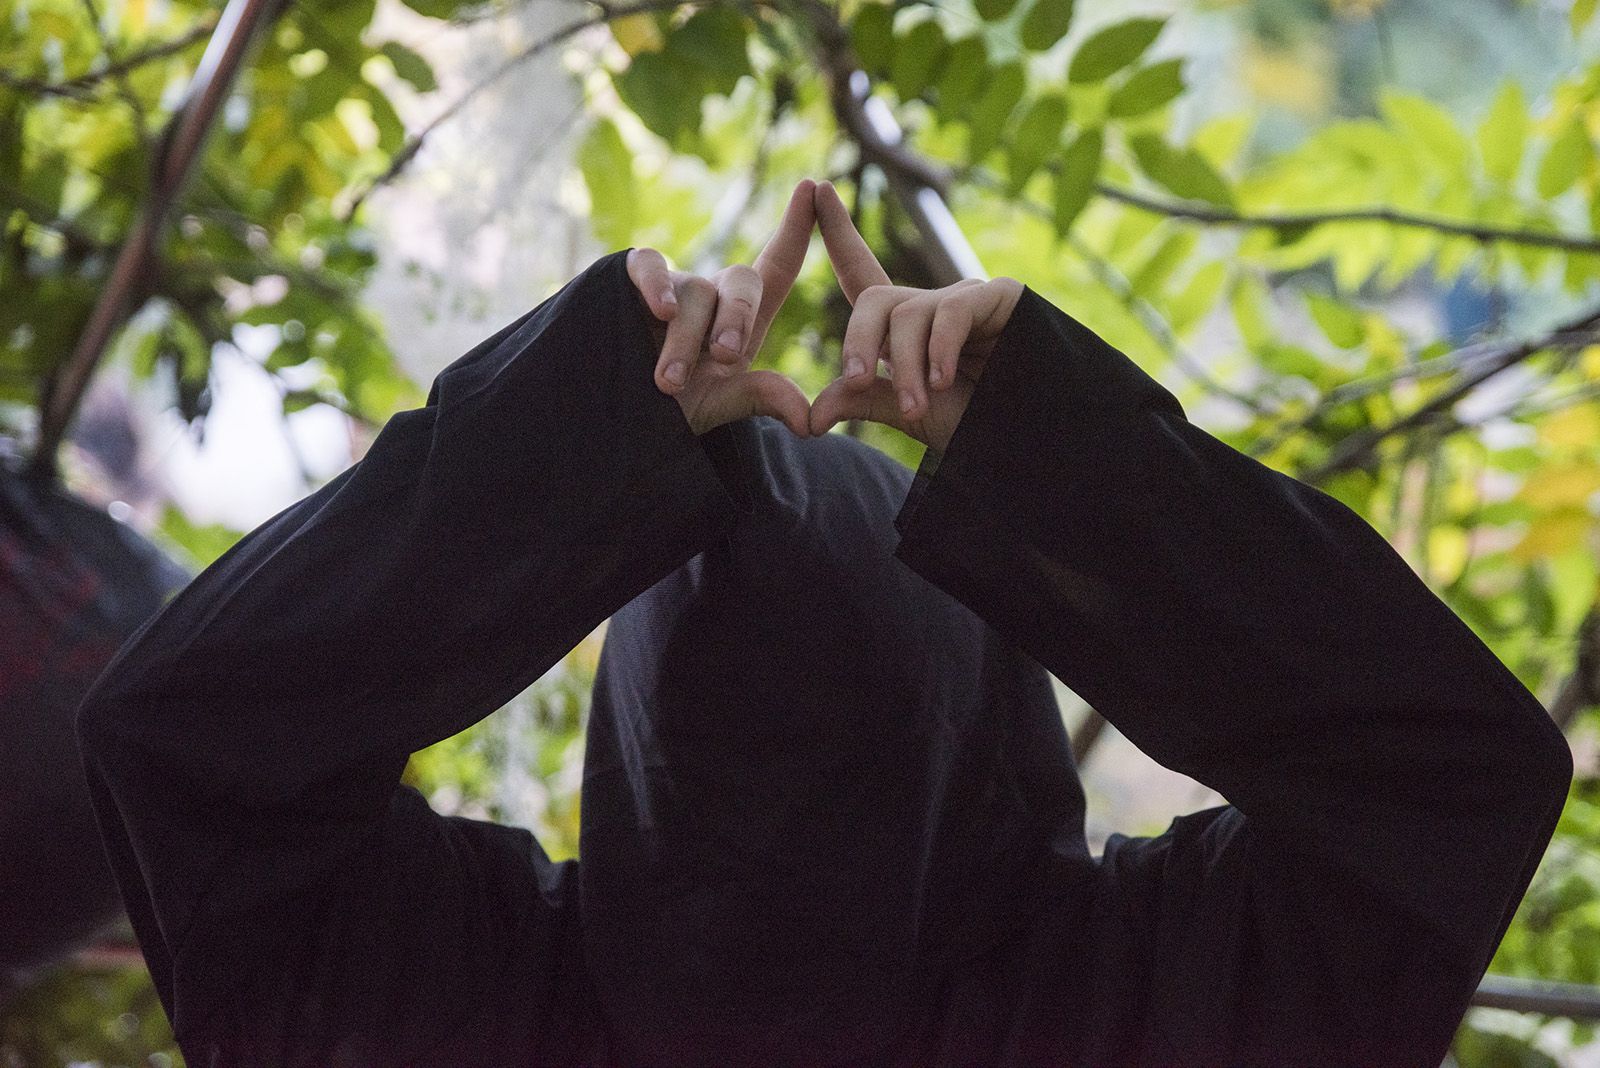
(129, 280)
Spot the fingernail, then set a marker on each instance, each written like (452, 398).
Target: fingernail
(935, 375)
(668, 297)
(729, 339)
(676, 373)
(854, 367)
(907, 401)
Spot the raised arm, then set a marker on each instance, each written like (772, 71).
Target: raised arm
(1392, 784)
(296, 904)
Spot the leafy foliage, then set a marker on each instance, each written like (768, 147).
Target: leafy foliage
(1296, 261)
(258, 236)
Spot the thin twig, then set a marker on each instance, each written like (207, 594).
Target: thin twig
(82, 86)
(413, 145)
(1211, 215)
(1156, 325)
(1356, 449)
(1367, 386)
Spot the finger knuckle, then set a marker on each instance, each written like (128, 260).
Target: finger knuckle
(904, 311)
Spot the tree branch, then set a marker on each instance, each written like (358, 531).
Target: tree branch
(1210, 215)
(82, 86)
(1581, 689)
(1356, 449)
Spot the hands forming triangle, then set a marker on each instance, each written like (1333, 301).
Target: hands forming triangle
(934, 341)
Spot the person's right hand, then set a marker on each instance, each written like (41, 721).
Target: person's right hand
(725, 318)
(936, 341)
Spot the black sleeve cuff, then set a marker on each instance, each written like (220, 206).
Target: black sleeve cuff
(1049, 376)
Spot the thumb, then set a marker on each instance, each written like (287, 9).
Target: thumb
(837, 402)
(757, 393)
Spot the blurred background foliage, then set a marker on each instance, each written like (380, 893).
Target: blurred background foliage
(1358, 238)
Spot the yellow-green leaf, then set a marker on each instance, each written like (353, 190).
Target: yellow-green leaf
(1582, 12)
(1568, 157)
(607, 168)
(1561, 485)
(1504, 132)
(638, 33)
(1341, 323)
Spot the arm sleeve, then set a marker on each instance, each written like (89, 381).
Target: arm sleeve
(296, 904)
(1391, 784)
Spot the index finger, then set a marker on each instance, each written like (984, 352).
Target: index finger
(648, 270)
(780, 261)
(853, 262)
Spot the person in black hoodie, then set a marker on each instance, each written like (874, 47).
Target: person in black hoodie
(829, 811)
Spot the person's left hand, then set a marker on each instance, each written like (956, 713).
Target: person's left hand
(725, 318)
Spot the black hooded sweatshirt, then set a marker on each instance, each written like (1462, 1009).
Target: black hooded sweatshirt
(829, 812)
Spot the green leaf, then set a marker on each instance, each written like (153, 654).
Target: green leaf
(1182, 171)
(1283, 358)
(965, 66)
(1569, 155)
(1429, 125)
(318, 94)
(916, 59)
(439, 9)
(1194, 301)
(1152, 276)
(993, 10)
(872, 36)
(1250, 302)
(1075, 181)
(1341, 323)
(714, 41)
(410, 66)
(1113, 48)
(607, 168)
(1038, 133)
(1504, 133)
(1147, 89)
(664, 91)
(391, 130)
(1046, 22)
(640, 33)
(993, 108)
